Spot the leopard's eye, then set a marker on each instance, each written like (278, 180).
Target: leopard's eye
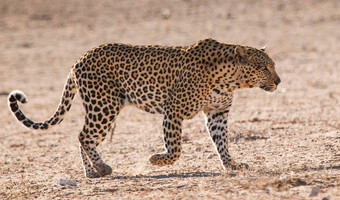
(260, 67)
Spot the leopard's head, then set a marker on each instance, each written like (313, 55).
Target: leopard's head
(257, 69)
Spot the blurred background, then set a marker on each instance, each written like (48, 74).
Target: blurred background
(41, 39)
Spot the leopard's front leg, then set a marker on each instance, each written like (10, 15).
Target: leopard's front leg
(172, 129)
(216, 124)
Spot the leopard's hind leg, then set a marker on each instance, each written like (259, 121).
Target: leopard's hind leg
(101, 113)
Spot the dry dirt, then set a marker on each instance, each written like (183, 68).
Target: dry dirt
(289, 138)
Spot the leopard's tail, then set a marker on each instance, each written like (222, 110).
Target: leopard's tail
(70, 90)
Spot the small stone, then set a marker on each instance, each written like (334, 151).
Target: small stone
(151, 148)
(198, 149)
(210, 155)
(314, 191)
(165, 13)
(64, 182)
(29, 159)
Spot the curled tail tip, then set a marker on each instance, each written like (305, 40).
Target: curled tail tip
(17, 95)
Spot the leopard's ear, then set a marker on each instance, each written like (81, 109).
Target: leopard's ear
(263, 48)
(241, 53)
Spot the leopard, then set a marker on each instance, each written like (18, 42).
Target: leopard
(177, 82)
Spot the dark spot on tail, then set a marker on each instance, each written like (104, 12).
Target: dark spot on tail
(35, 126)
(18, 96)
(20, 116)
(28, 123)
(55, 121)
(44, 126)
(62, 111)
(12, 99)
(68, 108)
(14, 107)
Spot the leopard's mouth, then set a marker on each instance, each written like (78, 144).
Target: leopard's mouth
(270, 88)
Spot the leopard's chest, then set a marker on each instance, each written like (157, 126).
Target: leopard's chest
(218, 100)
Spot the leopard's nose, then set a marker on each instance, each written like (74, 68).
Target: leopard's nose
(277, 81)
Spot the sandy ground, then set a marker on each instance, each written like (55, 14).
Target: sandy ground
(290, 138)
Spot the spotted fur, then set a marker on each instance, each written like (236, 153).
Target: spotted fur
(177, 82)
